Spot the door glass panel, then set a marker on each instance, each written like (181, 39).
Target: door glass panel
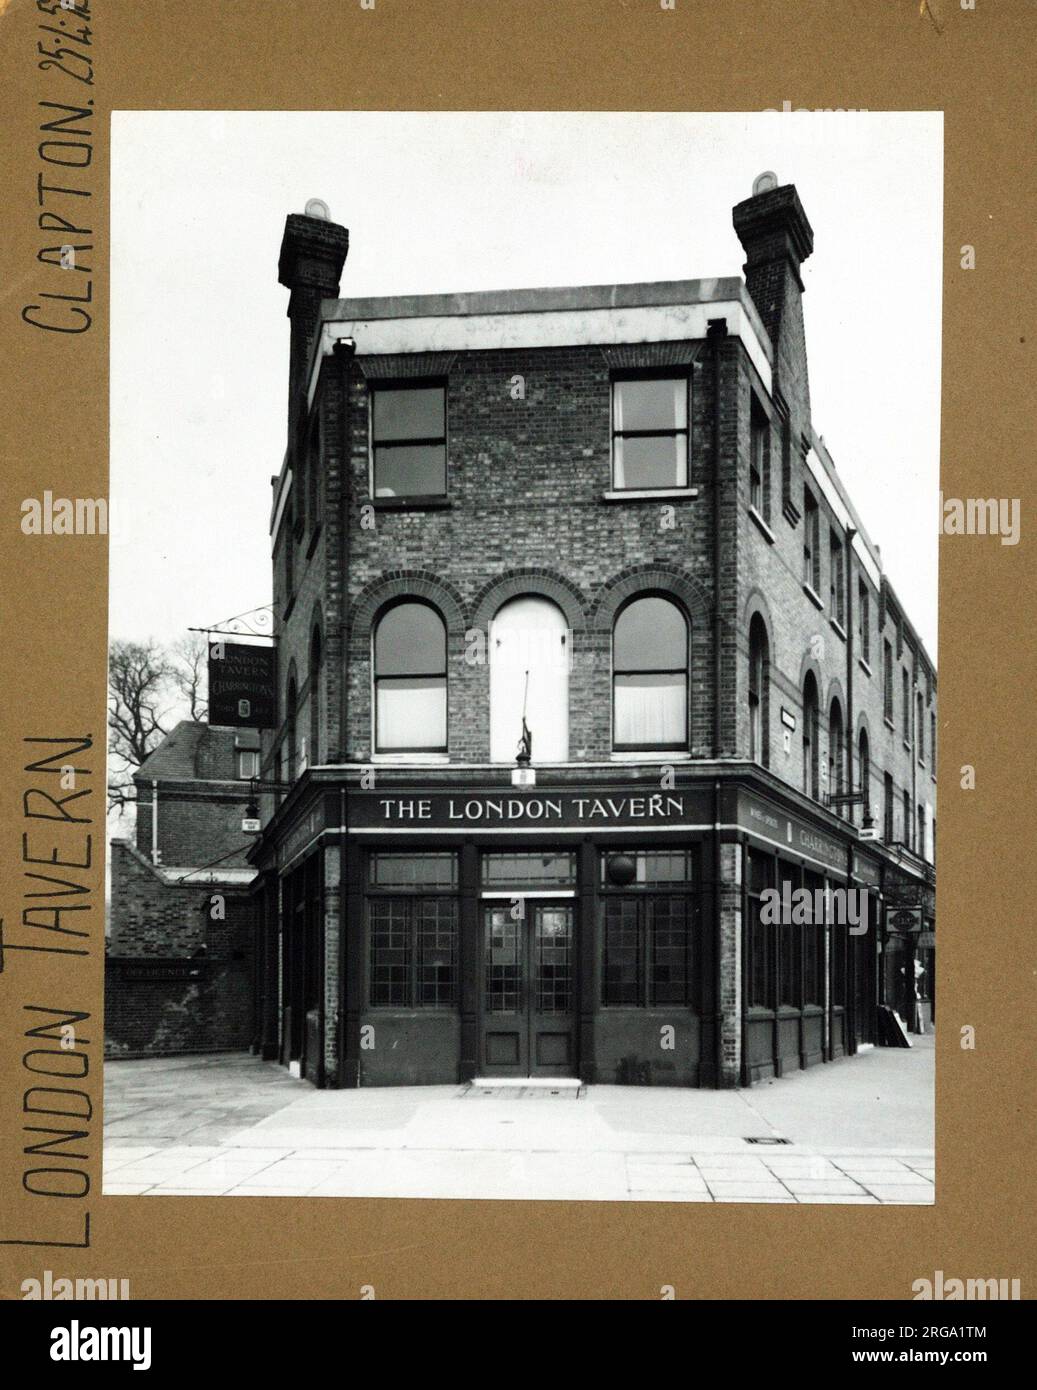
(553, 957)
(503, 961)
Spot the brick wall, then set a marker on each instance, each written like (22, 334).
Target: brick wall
(196, 825)
(153, 921)
(541, 525)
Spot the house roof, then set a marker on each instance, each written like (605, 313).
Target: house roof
(180, 754)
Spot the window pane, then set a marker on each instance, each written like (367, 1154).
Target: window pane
(413, 870)
(553, 943)
(528, 870)
(390, 951)
(503, 962)
(412, 714)
(652, 866)
(437, 952)
(410, 641)
(670, 945)
(651, 405)
(410, 470)
(650, 710)
(409, 413)
(621, 968)
(651, 635)
(651, 461)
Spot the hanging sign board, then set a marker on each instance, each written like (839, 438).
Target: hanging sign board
(906, 920)
(242, 685)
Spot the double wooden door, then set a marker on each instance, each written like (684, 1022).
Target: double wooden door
(529, 978)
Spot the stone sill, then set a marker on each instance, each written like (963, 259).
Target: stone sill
(647, 494)
(814, 597)
(409, 504)
(762, 526)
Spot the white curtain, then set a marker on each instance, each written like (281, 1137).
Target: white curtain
(529, 635)
(411, 713)
(650, 710)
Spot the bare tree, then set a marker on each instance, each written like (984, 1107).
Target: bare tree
(190, 664)
(140, 688)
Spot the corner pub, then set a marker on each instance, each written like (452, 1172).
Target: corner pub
(581, 647)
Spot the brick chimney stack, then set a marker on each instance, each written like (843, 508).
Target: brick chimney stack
(777, 239)
(313, 252)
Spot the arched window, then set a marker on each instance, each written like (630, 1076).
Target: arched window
(530, 653)
(410, 680)
(759, 694)
(810, 737)
(835, 753)
(864, 773)
(316, 674)
(290, 730)
(650, 676)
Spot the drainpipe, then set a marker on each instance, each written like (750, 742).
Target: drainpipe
(716, 332)
(851, 740)
(851, 964)
(154, 820)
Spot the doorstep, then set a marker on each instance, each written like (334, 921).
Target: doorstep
(555, 1083)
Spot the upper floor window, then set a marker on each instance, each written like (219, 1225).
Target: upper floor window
(836, 761)
(759, 430)
(248, 763)
(410, 680)
(650, 676)
(837, 579)
(288, 533)
(887, 808)
(758, 690)
(906, 681)
(291, 730)
(864, 622)
(530, 654)
(932, 743)
(316, 666)
(811, 739)
(408, 441)
(864, 765)
(314, 460)
(887, 680)
(650, 433)
(919, 727)
(811, 541)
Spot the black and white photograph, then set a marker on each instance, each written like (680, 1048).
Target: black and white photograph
(522, 749)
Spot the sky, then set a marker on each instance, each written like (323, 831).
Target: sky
(441, 202)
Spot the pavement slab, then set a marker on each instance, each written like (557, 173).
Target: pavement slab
(859, 1132)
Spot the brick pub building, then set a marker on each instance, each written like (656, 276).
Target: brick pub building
(582, 646)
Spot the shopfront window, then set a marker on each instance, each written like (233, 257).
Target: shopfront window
(760, 937)
(790, 946)
(813, 946)
(412, 931)
(648, 934)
